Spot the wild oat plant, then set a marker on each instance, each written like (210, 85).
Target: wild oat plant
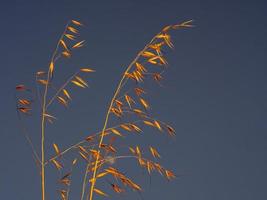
(129, 103)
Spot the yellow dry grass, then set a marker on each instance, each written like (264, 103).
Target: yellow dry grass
(98, 150)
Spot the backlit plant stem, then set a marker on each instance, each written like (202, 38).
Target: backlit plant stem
(43, 140)
(43, 117)
(120, 85)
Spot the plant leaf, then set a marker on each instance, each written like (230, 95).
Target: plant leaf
(73, 30)
(56, 148)
(154, 152)
(62, 101)
(64, 44)
(51, 69)
(76, 22)
(87, 70)
(116, 132)
(66, 93)
(144, 103)
(81, 81)
(69, 36)
(100, 192)
(157, 124)
(78, 45)
(78, 84)
(21, 87)
(57, 164)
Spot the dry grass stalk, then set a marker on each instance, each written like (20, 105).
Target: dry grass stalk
(128, 103)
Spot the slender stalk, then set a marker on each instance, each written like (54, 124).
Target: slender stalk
(103, 133)
(43, 139)
(84, 181)
(43, 118)
(121, 83)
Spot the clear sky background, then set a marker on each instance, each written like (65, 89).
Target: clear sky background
(214, 92)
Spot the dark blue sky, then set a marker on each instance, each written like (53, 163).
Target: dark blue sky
(214, 93)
